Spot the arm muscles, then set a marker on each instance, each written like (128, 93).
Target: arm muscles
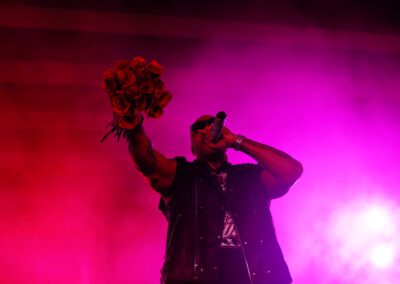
(159, 170)
(280, 171)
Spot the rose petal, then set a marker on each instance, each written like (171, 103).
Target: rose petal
(125, 76)
(120, 105)
(164, 99)
(134, 87)
(155, 112)
(138, 63)
(150, 101)
(128, 121)
(132, 92)
(140, 103)
(158, 83)
(109, 80)
(155, 68)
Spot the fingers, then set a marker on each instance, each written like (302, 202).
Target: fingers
(226, 130)
(221, 144)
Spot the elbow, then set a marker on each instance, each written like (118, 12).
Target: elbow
(277, 186)
(280, 191)
(297, 171)
(285, 184)
(293, 175)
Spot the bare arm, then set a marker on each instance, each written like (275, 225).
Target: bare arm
(159, 170)
(280, 171)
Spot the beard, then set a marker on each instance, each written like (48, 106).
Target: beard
(212, 155)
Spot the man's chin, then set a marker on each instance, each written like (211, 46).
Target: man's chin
(213, 154)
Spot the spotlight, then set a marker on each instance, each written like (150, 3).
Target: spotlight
(382, 255)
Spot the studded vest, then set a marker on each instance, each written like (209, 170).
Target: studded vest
(195, 215)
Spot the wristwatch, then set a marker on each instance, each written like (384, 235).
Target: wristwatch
(238, 142)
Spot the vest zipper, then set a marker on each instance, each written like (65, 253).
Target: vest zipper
(172, 233)
(168, 246)
(196, 231)
(237, 231)
(242, 249)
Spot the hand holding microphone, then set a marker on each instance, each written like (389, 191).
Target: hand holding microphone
(216, 127)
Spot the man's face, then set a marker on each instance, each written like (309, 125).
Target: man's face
(200, 134)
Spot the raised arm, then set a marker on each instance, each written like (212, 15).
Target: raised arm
(280, 171)
(159, 170)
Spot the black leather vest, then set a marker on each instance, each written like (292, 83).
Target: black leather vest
(196, 213)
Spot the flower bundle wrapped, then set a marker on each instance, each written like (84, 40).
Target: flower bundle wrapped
(134, 88)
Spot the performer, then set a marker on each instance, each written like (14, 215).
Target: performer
(220, 228)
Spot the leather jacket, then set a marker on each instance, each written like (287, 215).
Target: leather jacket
(195, 214)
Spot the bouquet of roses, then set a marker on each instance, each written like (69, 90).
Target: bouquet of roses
(134, 88)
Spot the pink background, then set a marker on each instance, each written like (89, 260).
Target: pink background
(73, 210)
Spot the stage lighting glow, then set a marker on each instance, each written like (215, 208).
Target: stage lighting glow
(382, 255)
(364, 233)
(376, 219)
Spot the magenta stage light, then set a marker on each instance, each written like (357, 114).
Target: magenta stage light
(362, 238)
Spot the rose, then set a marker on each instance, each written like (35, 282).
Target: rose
(164, 98)
(128, 121)
(156, 102)
(109, 80)
(158, 83)
(155, 69)
(141, 103)
(125, 77)
(120, 105)
(132, 92)
(134, 87)
(137, 64)
(142, 92)
(147, 87)
(154, 111)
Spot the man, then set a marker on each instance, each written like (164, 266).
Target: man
(220, 226)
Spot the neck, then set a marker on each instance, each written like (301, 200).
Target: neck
(215, 165)
(215, 162)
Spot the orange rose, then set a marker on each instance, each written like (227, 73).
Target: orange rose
(155, 68)
(164, 98)
(120, 105)
(129, 121)
(141, 103)
(134, 88)
(125, 77)
(147, 87)
(132, 92)
(109, 80)
(138, 63)
(154, 111)
(158, 83)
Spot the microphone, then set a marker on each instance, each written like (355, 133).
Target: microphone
(216, 128)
